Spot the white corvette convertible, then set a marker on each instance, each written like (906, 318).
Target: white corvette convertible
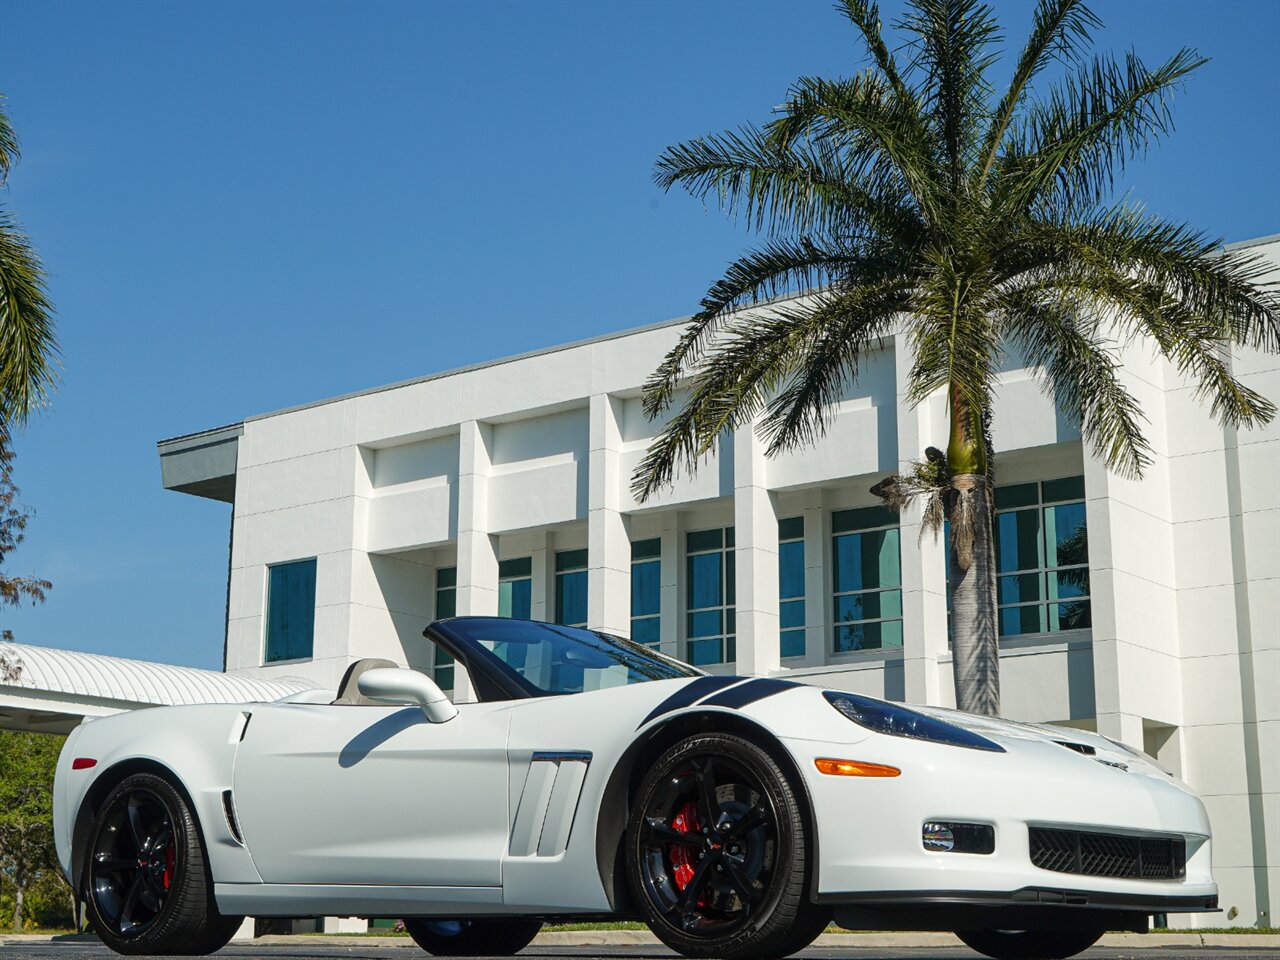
(594, 779)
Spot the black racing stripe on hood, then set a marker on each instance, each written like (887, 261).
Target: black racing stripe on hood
(691, 692)
(749, 692)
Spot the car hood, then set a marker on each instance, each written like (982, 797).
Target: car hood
(1081, 741)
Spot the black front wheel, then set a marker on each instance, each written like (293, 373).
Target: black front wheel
(148, 890)
(1030, 944)
(718, 853)
(496, 937)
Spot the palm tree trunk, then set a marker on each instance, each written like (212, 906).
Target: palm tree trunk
(971, 566)
(974, 630)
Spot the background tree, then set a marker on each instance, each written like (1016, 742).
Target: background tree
(27, 856)
(28, 357)
(914, 197)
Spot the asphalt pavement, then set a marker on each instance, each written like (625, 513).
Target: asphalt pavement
(309, 948)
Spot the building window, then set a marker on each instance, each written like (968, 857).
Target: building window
(446, 606)
(1042, 557)
(711, 625)
(571, 588)
(515, 588)
(646, 592)
(867, 579)
(791, 586)
(291, 610)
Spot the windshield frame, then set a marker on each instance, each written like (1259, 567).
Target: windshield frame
(495, 680)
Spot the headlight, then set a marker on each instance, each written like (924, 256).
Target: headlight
(895, 721)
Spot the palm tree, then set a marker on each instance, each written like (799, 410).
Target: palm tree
(910, 197)
(28, 345)
(28, 356)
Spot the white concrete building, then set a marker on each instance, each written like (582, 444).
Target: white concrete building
(1149, 610)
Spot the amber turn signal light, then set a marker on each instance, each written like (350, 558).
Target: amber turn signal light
(854, 768)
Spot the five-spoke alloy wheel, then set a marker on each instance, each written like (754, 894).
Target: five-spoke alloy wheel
(718, 853)
(147, 887)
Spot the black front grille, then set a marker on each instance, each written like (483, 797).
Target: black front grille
(1109, 854)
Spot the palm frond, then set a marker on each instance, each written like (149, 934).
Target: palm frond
(797, 267)
(781, 266)
(1073, 145)
(853, 320)
(955, 39)
(881, 136)
(1081, 370)
(866, 17)
(1223, 289)
(28, 344)
(747, 362)
(1059, 30)
(9, 146)
(787, 188)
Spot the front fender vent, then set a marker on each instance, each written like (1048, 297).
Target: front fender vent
(229, 811)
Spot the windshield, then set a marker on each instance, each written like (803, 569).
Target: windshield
(549, 659)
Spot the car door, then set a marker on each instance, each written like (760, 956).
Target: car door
(374, 795)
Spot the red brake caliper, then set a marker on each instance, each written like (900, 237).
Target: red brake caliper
(167, 877)
(686, 821)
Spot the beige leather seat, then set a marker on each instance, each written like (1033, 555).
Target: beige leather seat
(349, 694)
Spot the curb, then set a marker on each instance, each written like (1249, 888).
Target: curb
(625, 938)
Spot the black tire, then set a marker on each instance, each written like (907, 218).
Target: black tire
(1030, 944)
(147, 883)
(496, 937)
(718, 856)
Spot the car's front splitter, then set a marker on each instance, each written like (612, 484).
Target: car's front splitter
(1029, 908)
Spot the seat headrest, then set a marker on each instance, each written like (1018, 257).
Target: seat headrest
(349, 694)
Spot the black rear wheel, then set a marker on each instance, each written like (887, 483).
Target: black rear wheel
(496, 937)
(148, 890)
(718, 853)
(1030, 944)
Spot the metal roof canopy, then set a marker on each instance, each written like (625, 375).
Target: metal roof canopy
(56, 689)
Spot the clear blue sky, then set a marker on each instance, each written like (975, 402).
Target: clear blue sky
(250, 205)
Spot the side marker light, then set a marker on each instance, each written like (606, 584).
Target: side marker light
(83, 763)
(854, 768)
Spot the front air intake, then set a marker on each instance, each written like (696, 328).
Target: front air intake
(1122, 856)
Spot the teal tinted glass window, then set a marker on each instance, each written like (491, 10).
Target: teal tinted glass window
(446, 592)
(646, 591)
(291, 611)
(863, 518)
(446, 606)
(791, 587)
(571, 588)
(515, 588)
(710, 596)
(866, 579)
(1042, 557)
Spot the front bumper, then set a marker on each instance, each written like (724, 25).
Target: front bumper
(871, 858)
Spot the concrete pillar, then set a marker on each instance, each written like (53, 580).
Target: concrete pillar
(608, 540)
(817, 581)
(477, 548)
(542, 574)
(755, 518)
(672, 613)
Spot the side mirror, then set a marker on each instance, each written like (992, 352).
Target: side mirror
(393, 685)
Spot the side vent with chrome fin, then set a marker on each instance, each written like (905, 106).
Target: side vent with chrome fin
(229, 810)
(548, 803)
